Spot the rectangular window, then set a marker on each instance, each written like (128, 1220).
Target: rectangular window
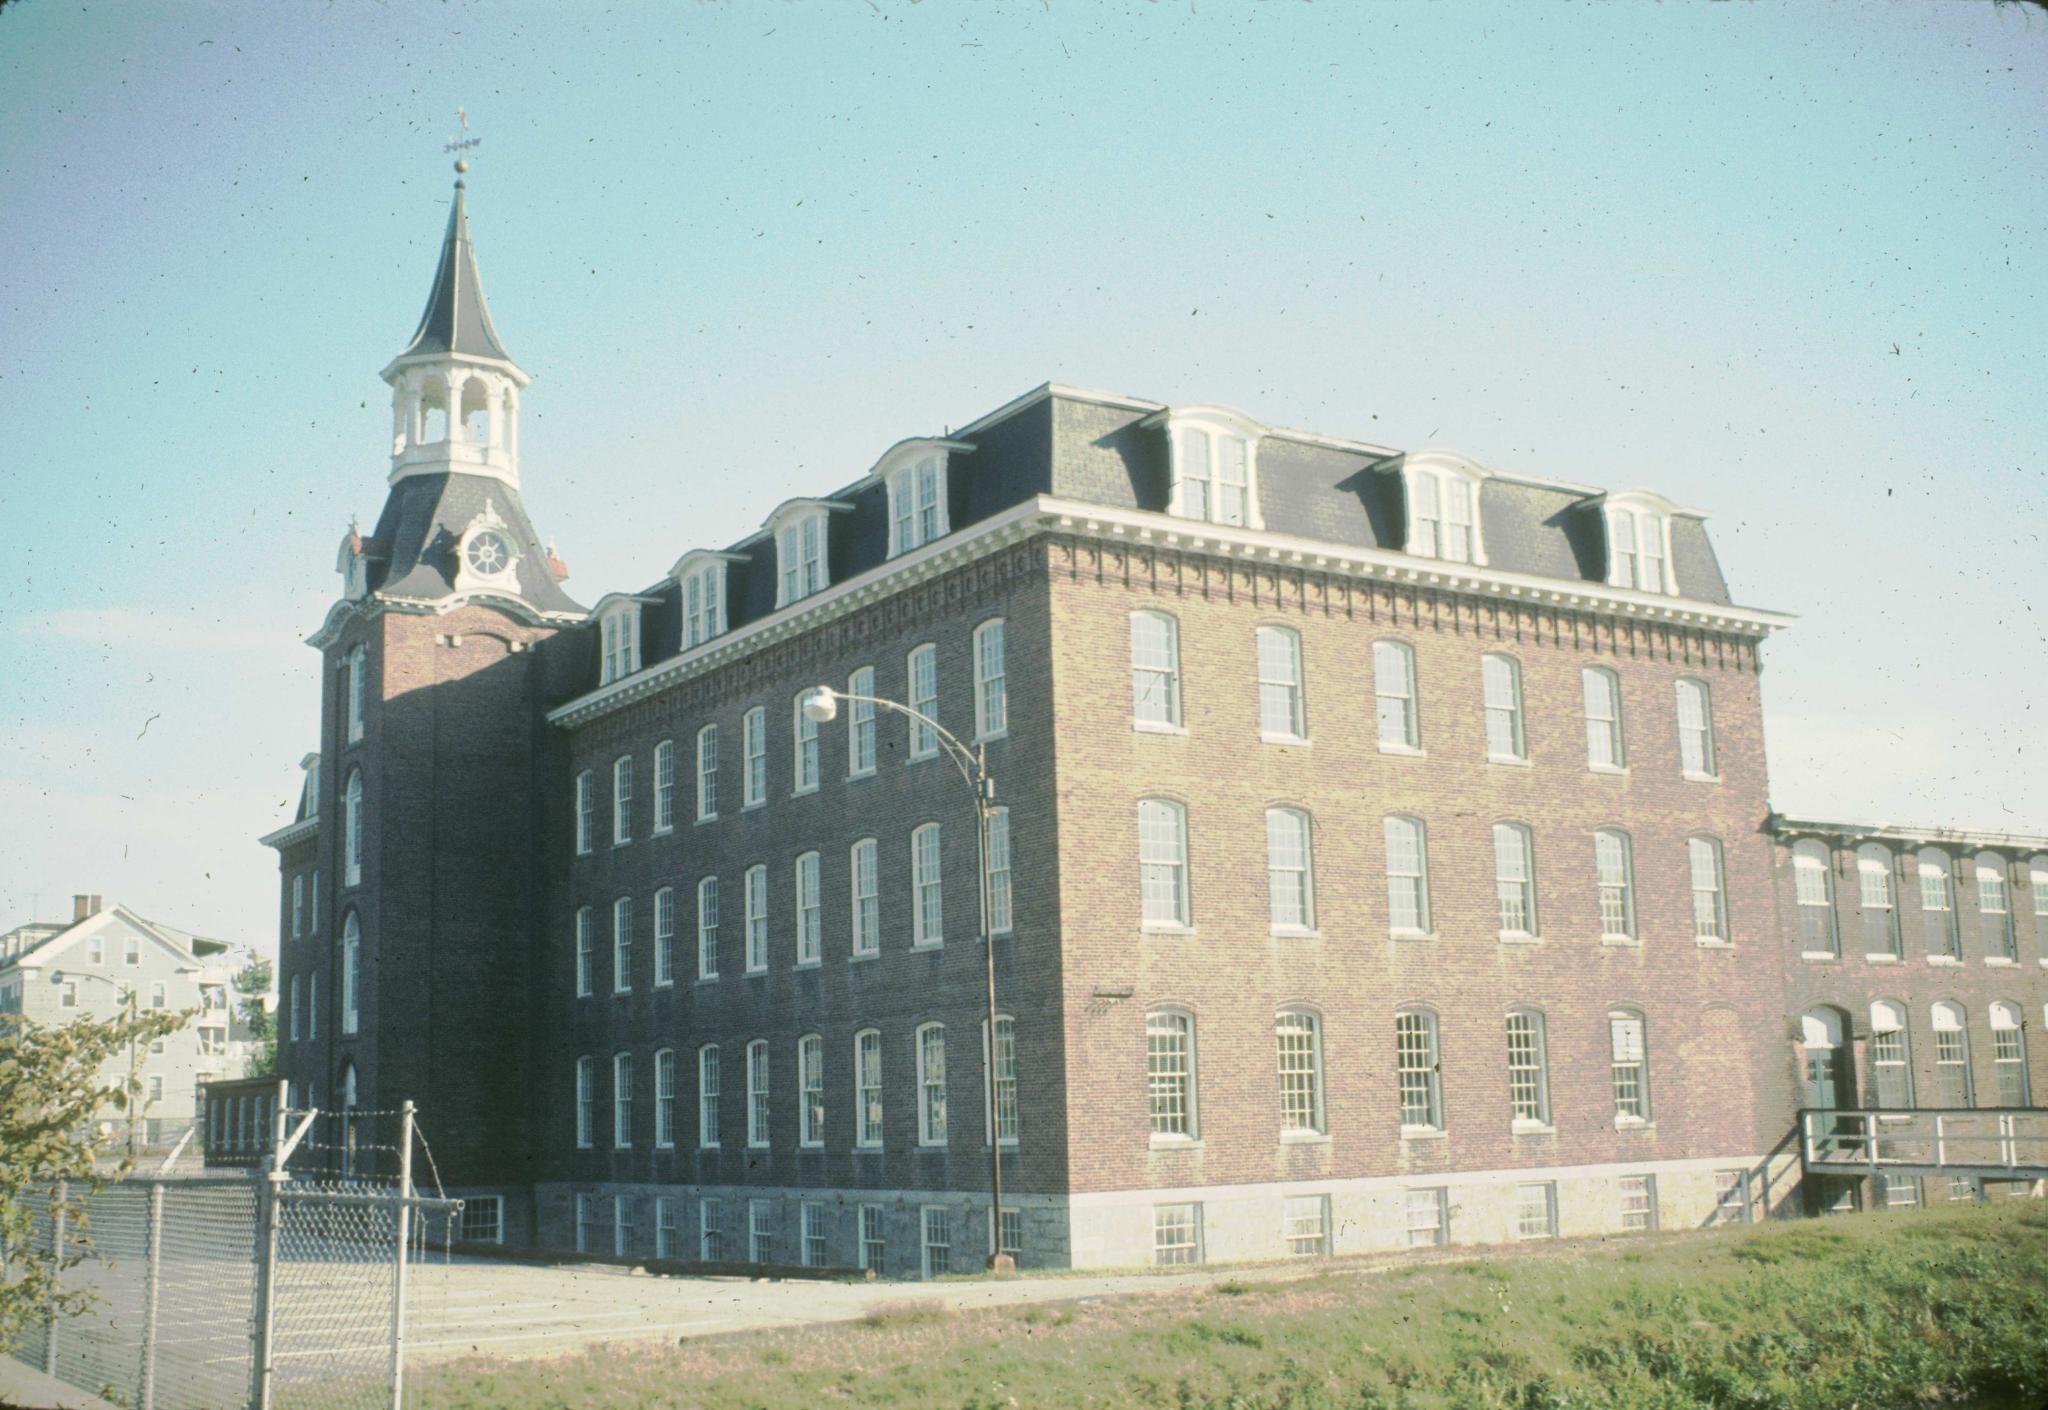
(623, 1238)
(622, 944)
(1874, 892)
(1393, 683)
(931, 1085)
(664, 937)
(483, 1219)
(810, 1076)
(1962, 1189)
(1629, 1066)
(1602, 691)
(1429, 1217)
(1006, 1078)
(1528, 1074)
(809, 911)
(1731, 1197)
(757, 1093)
(622, 1100)
(1817, 935)
(803, 747)
(1709, 892)
(991, 690)
(1695, 730)
(760, 1231)
(707, 928)
(1155, 670)
(757, 919)
(586, 812)
(1937, 907)
(1407, 877)
(867, 1083)
(1290, 875)
(812, 1219)
(665, 785)
(1010, 1234)
(1638, 1203)
(1888, 1065)
(703, 605)
(1501, 683)
(711, 1231)
(873, 1248)
(1170, 1074)
(1301, 1073)
(937, 1223)
(1281, 716)
(1536, 1210)
(1994, 915)
(754, 743)
(998, 919)
(2008, 1057)
(1901, 1191)
(1176, 1234)
(923, 670)
(667, 1240)
(293, 1031)
(707, 1096)
(585, 947)
(917, 510)
(586, 1102)
(298, 914)
(1514, 880)
(707, 773)
(860, 723)
(866, 898)
(1418, 1071)
(356, 683)
(1162, 863)
(1305, 1224)
(586, 1224)
(622, 801)
(927, 900)
(665, 1099)
(1952, 1061)
(1616, 884)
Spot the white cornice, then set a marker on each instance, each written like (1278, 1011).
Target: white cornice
(515, 607)
(1897, 832)
(290, 834)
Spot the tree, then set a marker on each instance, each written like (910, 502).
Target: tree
(252, 982)
(51, 1088)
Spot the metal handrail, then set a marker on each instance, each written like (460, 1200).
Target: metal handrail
(1874, 1137)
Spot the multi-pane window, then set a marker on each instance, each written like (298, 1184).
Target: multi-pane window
(586, 1224)
(1005, 1069)
(1501, 685)
(1428, 1214)
(866, 904)
(998, 919)
(1628, 1065)
(352, 829)
(931, 1085)
(664, 936)
(2009, 1054)
(917, 504)
(1170, 1074)
(1901, 1191)
(711, 1231)
(1536, 1210)
(619, 632)
(1938, 906)
(2037, 881)
(665, 785)
(1638, 1203)
(1163, 862)
(1176, 1234)
(351, 974)
(810, 915)
(357, 677)
(1305, 1225)
(754, 746)
(757, 919)
(703, 605)
(1695, 729)
(1601, 690)
(1709, 890)
(293, 1030)
(1290, 874)
(1615, 874)
(622, 1100)
(860, 723)
(1874, 885)
(1010, 1233)
(1952, 1056)
(927, 898)
(867, 1088)
(622, 1226)
(1514, 880)
(707, 928)
(1301, 1071)
(1393, 685)
(757, 1093)
(298, 909)
(1528, 1070)
(1281, 716)
(800, 554)
(811, 1228)
(1211, 476)
(1993, 911)
(483, 1219)
(707, 1096)
(991, 691)
(760, 1231)
(586, 812)
(1890, 1059)
(667, 1227)
(1635, 548)
(810, 1077)
(803, 746)
(873, 1246)
(665, 1098)
(1407, 876)
(922, 668)
(1155, 670)
(936, 1224)
(622, 800)
(1731, 1196)
(1814, 886)
(1962, 1189)
(1440, 515)
(622, 944)
(1417, 1070)
(586, 1102)
(707, 773)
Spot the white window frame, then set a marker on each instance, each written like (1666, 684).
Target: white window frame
(1813, 891)
(665, 1099)
(1418, 1071)
(755, 887)
(1283, 708)
(701, 595)
(622, 945)
(1622, 1056)
(707, 773)
(1698, 758)
(1500, 689)
(921, 675)
(1305, 1226)
(927, 887)
(1878, 902)
(352, 829)
(759, 1107)
(991, 683)
(1197, 438)
(935, 1228)
(812, 1239)
(864, 903)
(354, 687)
(861, 752)
(918, 511)
(1528, 1070)
(1951, 1026)
(810, 1091)
(1169, 1223)
(869, 1109)
(622, 800)
(754, 753)
(298, 910)
(800, 532)
(351, 974)
(1004, 1072)
(1639, 1203)
(586, 1103)
(707, 927)
(873, 1238)
(664, 787)
(930, 1043)
(1514, 882)
(1303, 1063)
(1709, 891)
(622, 1101)
(1630, 520)
(1001, 915)
(804, 760)
(618, 626)
(586, 812)
(1994, 909)
(1537, 1198)
(1397, 713)
(2009, 1053)
(1606, 731)
(707, 1096)
(1413, 895)
(1155, 673)
(760, 1230)
(810, 912)
(1614, 871)
(1433, 483)
(1170, 1033)
(1290, 871)
(1163, 882)
(711, 1231)
(1891, 1055)
(665, 937)
(667, 1227)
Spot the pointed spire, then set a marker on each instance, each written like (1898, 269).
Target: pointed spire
(457, 320)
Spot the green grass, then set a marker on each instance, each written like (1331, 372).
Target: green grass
(1938, 1308)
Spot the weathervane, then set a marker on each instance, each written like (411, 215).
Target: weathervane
(462, 144)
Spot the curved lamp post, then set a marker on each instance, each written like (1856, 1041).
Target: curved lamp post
(131, 1002)
(821, 706)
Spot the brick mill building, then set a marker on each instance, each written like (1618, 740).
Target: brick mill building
(1383, 855)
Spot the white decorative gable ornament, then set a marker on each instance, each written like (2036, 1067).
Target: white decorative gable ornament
(486, 556)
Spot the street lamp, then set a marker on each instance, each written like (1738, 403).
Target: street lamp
(821, 706)
(129, 1000)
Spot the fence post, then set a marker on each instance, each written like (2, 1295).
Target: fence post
(398, 1276)
(272, 1195)
(146, 1397)
(58, 1213)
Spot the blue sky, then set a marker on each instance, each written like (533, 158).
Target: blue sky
(1779, 261)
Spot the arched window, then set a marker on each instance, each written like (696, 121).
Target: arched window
(1638, 542)
(665, 1098)
(756, 880)
(665, 785)
(866, 903)
(931, 1085)
(1994, 911)
(757, 1093)
(1938, 906)
(921, 670)
(867, 1088)
(754, 752)
(664, 937)
(707, 773)
(1614, 865)
(586, 812)
(1601, 689)
(1514, 880)
(2009, 1054)
(622, 945)
(1170, 1075)
(997, 921)
(1155, 670)
(1826, 1068)
(810, 1078)
(991, 682)
(803, 749)
(1163, 863)
(1891, 1055)
(1407, 876)
(1393, 686)
(860, 723)
(1300, 1037)
(2037, 881)
(1629, 1066)
(1952, 1055)
(1709, 891)
(707, 928)
(810, 913)
(707, 1096)
(1814, 885)
(1443, 508)
(1282, 718)
(1215, 467)
(927, 894)
(1290, 872)
(917, 502)
(1418, 1071)
(352, 830)
(348, 1085)
(356, 679)
(622, 1101)
(1695, 730)
(1501, 686)
(351, 974)
(1874, 884)
(1005, 1060)
(1528, 1070)
(622, 800)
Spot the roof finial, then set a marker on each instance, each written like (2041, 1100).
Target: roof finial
(462, 144)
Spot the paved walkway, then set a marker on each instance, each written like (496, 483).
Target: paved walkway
(22, 1387)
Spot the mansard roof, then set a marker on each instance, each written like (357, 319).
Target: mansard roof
(422, 524)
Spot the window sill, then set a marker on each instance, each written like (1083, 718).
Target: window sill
(754, 806)
(810, 1145)
(1176, 1143)
(867, 1150)
(808, 964)
(1821, 956)
(931, 1147)
(921, 758)
(1405, 751)
(1519, 937)
(1690, 777)
(618, 993)
(1611, 770)
(1153, 927)
(618, 842)
(712, 1149)
(1291, 740)
(664, 1145)
(707, 818)
(1880, 957)
(1621, 942)
(868, 772)
(863, 956)
(1305, 1138)
(1411, 935)
(803, 792)
(1524, 1127)
(1158, 727)
(2000, 961)
(664, 831)
(920, 946)
(1633, 1123)
(1424, 1133)
(1952, 959)
(1509, 761)
(991, 738)
(757, 1145)
(707, 979)
(664, 984)
(1296, 932)
(754, 973)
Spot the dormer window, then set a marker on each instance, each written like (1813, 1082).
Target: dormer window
(797, 530)
(1215, 455)
(701, 594)
(618, 628)
(1442, 492)
(917, 504)
(1639, 542)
